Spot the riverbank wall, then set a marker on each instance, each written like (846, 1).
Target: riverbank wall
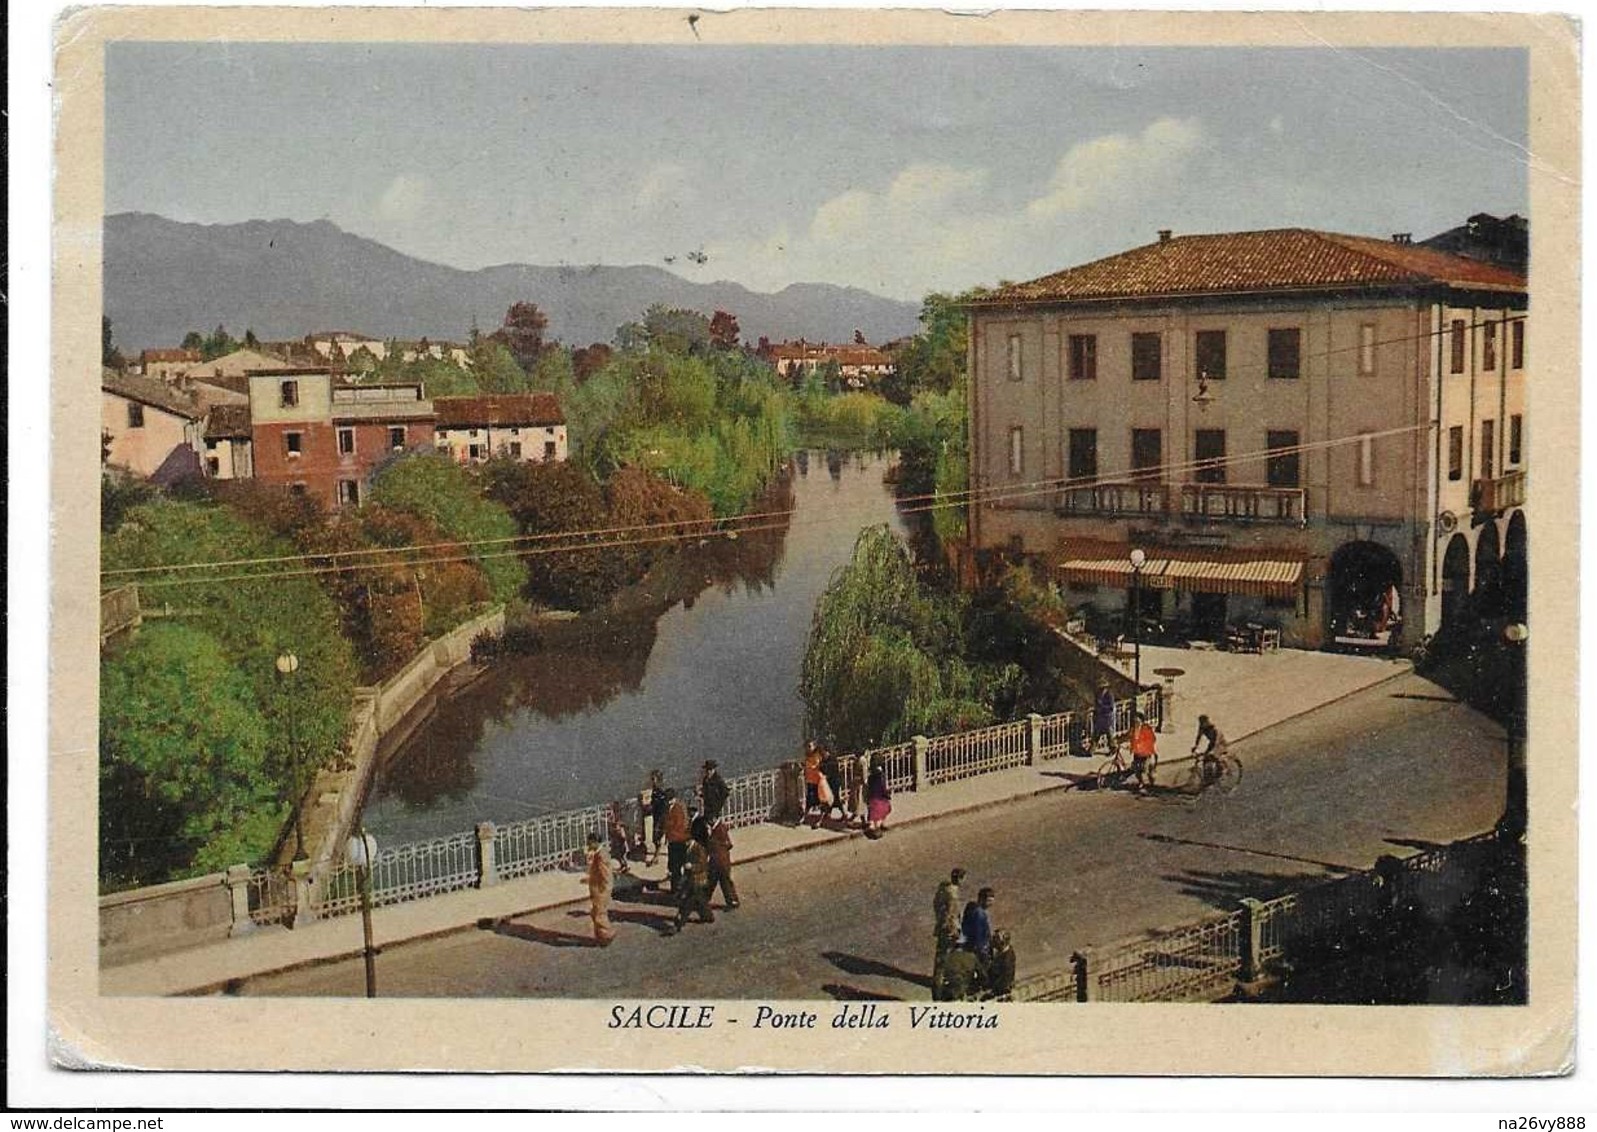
(157, 919)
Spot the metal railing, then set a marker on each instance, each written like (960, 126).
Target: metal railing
(1499, 493)
(754, 798)
(1192, 964)
(272, 896)
(966, 754)
(552, 841)
(1116, 498)
(1243, 503)
(405, 872)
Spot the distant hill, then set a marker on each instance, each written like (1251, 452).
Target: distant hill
(284, 279)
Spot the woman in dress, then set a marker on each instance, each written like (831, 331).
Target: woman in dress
(878, 799)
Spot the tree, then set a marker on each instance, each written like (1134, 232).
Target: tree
(219, 342)
(676, 330)
(109, 354)
(589, 360)
(494, 370)
(250, 341)
(724, 331)
(522, 333)
(548, 499)
(193, 340)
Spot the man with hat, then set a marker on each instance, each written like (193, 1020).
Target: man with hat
(714, 790)
(945, 932)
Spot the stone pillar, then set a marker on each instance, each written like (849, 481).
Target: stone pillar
(1078, 960)
(790, 792)
(304, 908)
(1033, 739)
(921, 743)
(238, 887)
(1252, 938)
(487, 871)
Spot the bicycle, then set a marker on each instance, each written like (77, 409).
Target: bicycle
(1211, 771)
(1114, 769)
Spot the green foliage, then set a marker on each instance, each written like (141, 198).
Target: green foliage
(934, 359)
(118, 496)
(440, 491)
(554, 373)
(494, 370)
(675, 330)
(186, 771)
(548, 499)
(109, 354)
(846, 420)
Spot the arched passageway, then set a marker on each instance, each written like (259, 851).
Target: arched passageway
(1488, 594)
(1362, 595)
(1515, 568)
(1455, 582)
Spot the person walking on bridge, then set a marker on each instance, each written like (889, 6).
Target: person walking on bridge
(696, 883)
(1103, 718)
(714, 790)
(1144, 744)
(945, 932)
(721, 864)
(657, 803)
(677, 835)
(601, 883)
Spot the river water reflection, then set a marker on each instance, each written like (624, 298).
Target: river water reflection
(707, 666)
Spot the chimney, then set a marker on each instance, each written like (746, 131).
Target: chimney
(1402, 237)
(1164, 235)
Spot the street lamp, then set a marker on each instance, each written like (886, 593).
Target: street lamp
(287, 665)
(1512, 823)
(1138, 561)
(362, 853)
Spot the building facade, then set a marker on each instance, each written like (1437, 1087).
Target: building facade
(528, 427)
(1318, 432)
(147, 428)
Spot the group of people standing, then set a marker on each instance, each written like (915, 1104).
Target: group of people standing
(698, 848)
(863, 797)
(971, 958)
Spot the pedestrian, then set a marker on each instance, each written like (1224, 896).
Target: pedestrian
(832, 773)
(878, 799)
(601, 882)
(714, 790)
(721, 864)
(695, 894)
(959, 975)
(1144, 744)
(812, 778)
(860, 770)
(945, 931)
(976, 926)
(1103, 718)
(620, 840)
(656, 814)
(677, 835)
(1001, 967)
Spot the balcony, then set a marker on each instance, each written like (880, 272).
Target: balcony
(1499, 494)
(1237, 503)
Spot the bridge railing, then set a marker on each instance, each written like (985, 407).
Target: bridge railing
(551, 841)
(966, 754)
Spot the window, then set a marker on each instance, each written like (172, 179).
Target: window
(1459, 345)
(1516, 344)
(1208, 446)
(293, 445)
(1147, 453)
(349, 492)
(1488, 449)
(1016, 450)
(548, 450)
(1083, 357)
(346, 442)
(1147, 359)
(1366, 461)
(1285, 352)
(1516, 438)
(1016, 358)
(1455, 452)
(287, 394)
(1211, 354)
(296, 489)
(135, 415)
(474, 451)
(213, 466)
(1083, 455)
(1282, 468)
(1366, 349)
(396, 437)
(515, 449)
(1489, 346)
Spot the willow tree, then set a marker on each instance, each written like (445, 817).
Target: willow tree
(883, 659)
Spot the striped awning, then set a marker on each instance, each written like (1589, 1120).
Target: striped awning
(1225, 570)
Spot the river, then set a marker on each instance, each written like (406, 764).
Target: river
(703, 664)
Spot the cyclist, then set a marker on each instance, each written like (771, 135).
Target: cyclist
(1143, 742)
(1212, 753)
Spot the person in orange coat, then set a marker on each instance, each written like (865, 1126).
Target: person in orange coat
(677, 835)
(601, 883)
(812, 778)
(1144, 742)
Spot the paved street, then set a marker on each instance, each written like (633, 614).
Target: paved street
(1396, 765)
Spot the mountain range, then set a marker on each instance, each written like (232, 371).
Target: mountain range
(285, 279)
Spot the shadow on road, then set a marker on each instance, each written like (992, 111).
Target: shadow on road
(546, 936)
(856, 965)
(845, 993)
(1087, 780)
(1167, 839)
(1225, 889)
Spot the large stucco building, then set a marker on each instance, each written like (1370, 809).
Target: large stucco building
(1290, 424)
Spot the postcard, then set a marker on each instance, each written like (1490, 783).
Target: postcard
(814, 542)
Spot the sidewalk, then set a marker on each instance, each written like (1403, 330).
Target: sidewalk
(1243, 694)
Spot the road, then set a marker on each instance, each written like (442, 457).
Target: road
(1391, 768)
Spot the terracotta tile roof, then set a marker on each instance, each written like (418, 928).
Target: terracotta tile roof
(227, 421)
(1285, 259)
(498, 409)
(150, 391)
(173, 355)
(236, 383)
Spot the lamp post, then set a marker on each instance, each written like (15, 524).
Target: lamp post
(362, 853)
(1512, 823)
(1138, 561)
(287, 665)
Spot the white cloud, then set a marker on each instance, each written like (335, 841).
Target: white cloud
(934, 226)
(1117, 165)
(403, 199)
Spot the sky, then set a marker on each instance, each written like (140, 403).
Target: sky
(899, 170)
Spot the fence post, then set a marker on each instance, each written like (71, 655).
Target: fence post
(487, 872)
(790, 780)
(1078, 960)
(918, 767)
(1252, 941)
(1033, 739)
(238, 887)
(304, 906)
